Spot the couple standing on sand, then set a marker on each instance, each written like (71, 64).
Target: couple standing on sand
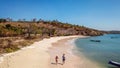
(63, 59)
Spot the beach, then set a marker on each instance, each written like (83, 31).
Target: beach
(73, 58)
(41, 54)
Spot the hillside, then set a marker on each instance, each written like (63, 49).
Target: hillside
(17, 34)
(48, 28)
(113, 32)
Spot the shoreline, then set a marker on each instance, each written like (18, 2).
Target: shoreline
(64, 47)
(85, 62)
(36, 53)
(41, 54)
(74, 60)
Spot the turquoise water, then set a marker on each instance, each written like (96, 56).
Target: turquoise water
(101, 52)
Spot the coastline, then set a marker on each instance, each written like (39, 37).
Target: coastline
(41, 54)
(61, 47)
(73, 60)
(84, 62)
(33, 56)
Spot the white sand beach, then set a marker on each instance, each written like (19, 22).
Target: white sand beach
(41, 55)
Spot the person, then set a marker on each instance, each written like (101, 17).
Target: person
(56, 59)
(63, 58)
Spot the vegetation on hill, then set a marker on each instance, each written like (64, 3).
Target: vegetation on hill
(11, 30)
(48, 28)
(113, 32)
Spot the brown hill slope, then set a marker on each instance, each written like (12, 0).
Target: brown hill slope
(49, 28)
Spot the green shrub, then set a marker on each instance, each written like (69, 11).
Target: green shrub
(8, 50)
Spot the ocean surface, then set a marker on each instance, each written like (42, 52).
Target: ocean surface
(102, 51)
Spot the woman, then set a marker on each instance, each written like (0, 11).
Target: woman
(56, 59)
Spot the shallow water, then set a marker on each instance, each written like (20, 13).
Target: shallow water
(101, 52)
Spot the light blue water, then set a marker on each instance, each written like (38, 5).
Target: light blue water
(101, 52)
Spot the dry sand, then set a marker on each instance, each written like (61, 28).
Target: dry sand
(41, 55)
(73, 60)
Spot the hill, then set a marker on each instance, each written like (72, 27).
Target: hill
(113, 32)
(47, 28)
(17, 34)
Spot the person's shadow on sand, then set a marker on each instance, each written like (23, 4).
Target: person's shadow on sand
(56, 64)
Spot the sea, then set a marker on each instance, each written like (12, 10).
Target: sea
(100, 49)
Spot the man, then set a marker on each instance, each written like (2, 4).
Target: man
(63, 58)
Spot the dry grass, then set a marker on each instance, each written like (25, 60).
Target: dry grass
(11, 44)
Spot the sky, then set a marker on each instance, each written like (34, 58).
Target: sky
(97, 14)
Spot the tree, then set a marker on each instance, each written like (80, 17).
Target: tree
(3, 20)
(34, 20)
(9, 19)
(32, 29)
(24, 20)
(40, 20)
(29, 31)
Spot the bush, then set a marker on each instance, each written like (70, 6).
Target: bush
(7, 26)
(8, 50)
(11, 49)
